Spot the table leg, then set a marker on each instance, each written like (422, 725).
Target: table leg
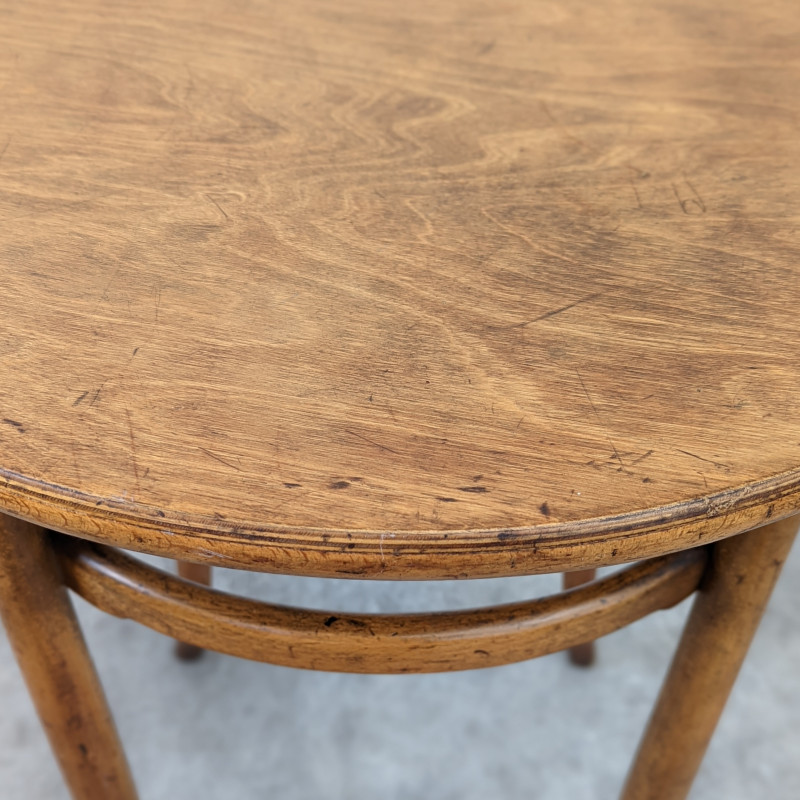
(582, 655)
(44, 633)
(724, 618)
(199, 573)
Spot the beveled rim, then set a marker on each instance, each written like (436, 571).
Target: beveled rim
(405, 555)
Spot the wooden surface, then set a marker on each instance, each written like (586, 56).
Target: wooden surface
(583, 654)
(39, 620)
(199, 573)
(724, 618)
(429, 289)
(338, 641)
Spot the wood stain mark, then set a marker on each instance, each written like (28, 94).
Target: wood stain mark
(545, 509)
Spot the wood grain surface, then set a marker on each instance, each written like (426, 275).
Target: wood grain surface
(441, 641)
(422, 289)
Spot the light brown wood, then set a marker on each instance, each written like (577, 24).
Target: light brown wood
(44, 634)
(199, 573)
(724, 618)
(583, 654)
(374, 643)
(432, 289)
(421, 289)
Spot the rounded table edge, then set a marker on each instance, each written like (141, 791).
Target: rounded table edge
(405, 555)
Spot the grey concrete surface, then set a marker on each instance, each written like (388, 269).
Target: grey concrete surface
(223, 729)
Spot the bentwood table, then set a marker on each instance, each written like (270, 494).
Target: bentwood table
(420, 290)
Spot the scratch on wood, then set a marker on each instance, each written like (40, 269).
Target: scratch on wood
(221, 460)
(553, 313)
(133, 447)
(688, 203)
(75, 462)
(429, 229)
(563, 128)
(602, 424)
(158, 306)
(636, 192)
(374, 444)
(104, 295)
(219, 207)
(539, 248)
(707, 460)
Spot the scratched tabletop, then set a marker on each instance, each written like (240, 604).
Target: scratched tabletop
(426, 289)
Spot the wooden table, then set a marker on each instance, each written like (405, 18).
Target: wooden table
(428, 290)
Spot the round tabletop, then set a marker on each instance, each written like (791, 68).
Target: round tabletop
(380, 289)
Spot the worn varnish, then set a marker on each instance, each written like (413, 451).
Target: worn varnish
(429, 289)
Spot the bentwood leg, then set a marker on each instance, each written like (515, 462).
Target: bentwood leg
(581, 655)
(49, 646)
(724, 618)
(199, 573)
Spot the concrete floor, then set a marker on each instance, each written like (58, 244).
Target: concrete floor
(221, 728)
